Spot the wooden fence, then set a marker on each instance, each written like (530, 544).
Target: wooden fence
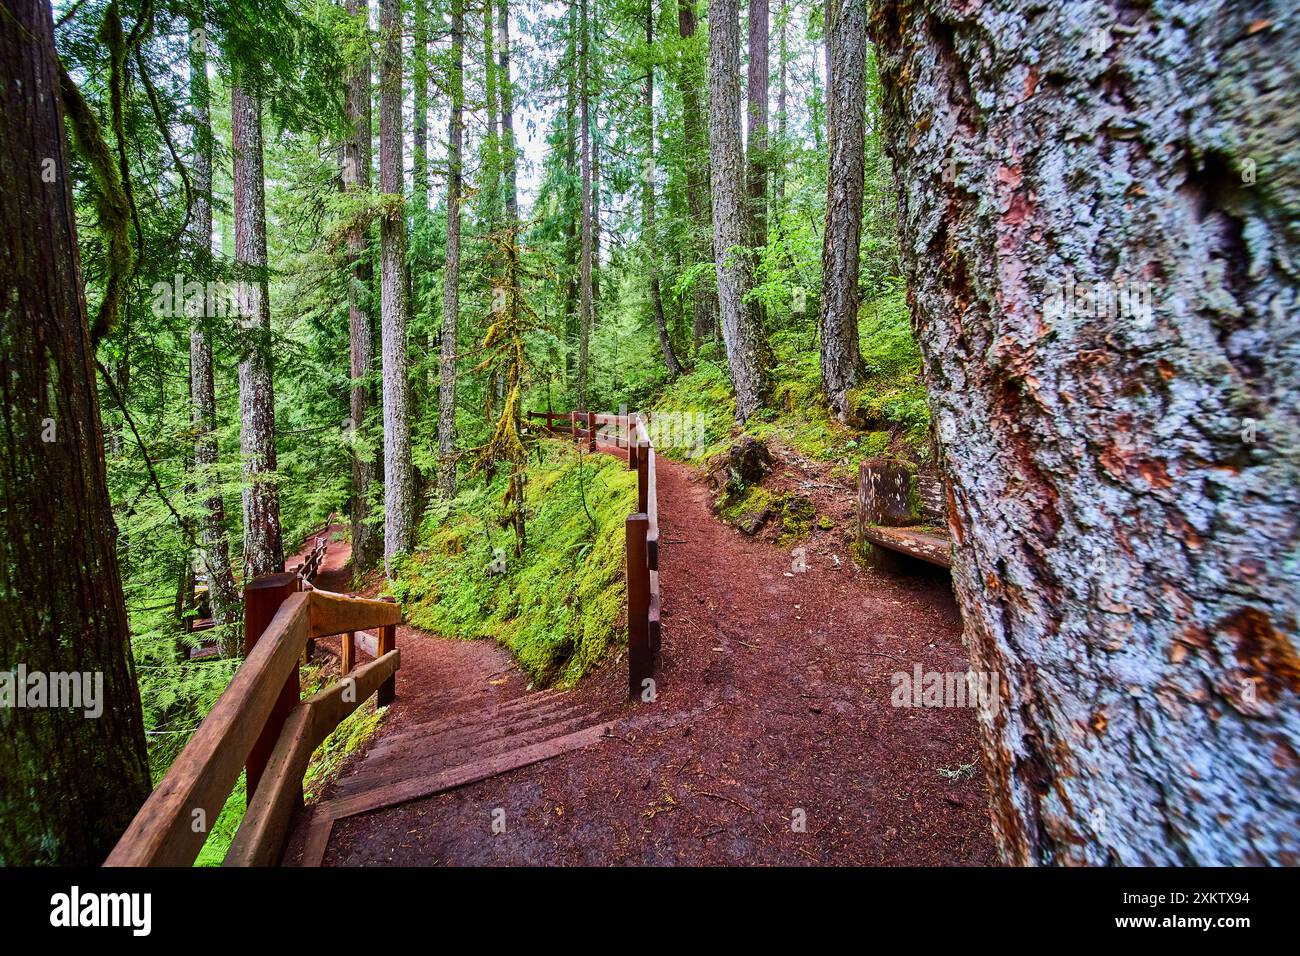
(641, 555)
(261, 725)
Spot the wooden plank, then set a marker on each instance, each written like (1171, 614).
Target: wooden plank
(261, 835)
(640, 660)
(318, 839)
(405, 791)
(652, 513)
(337, 614)
(653, 613)
(333, 704)
(926, 547)
(201, 778)
(260, 838)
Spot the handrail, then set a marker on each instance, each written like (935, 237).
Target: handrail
(642, 562)
(172, 825)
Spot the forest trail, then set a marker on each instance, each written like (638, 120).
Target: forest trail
(772, 739)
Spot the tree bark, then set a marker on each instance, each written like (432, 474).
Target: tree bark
(648, 204)
(399, 511)
(1122, 478)
(263, 549)
(841, 358)
(222, 591)
(70, 784)
(366, 541)
(585, 295)
(451, 279)
(757, 95)
(572, 203)
(705, 304)
(508, 156)
(420, 104)
(742, 332)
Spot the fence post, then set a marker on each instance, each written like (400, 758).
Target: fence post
(640, 662)
(387, 642)
(591, 431)
(262, 599)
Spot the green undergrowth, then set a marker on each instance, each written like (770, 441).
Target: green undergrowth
(556, 607)
(890, 411)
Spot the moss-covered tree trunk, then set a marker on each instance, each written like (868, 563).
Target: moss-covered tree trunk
(69, 783)
(1124, 476)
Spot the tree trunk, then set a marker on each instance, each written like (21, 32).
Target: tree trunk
(572, 204)
(1122, 475)
(585, 296)
(263, 549)
(757, 94)
(451, 279)
(648, 205)
(741, 330)
(508, 156)
(399, 512)
(222, 591)
(841, 358)
(778, 179)
(366, 542)
(420, 105)
(70, 785)
(705, 305)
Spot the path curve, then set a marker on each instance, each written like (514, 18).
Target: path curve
(772, 740)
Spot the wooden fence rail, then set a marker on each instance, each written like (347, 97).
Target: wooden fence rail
(641, 554)
(259, 724)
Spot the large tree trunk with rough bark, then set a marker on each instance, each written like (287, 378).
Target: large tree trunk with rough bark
(1098, 213)
(399, 511)
(222, 590)
(648, 208)
(367, 544)
(742, 332)
(70, 783)
(585, 292)
(263, 549)
(451, 278)
(705, 304)
(841, 359)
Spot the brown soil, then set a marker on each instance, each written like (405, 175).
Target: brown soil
(773, 707)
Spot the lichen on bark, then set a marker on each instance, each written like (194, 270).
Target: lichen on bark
(1124, 489)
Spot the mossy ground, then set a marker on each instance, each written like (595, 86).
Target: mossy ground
(891, 400)
(890, 415)
(557, 606)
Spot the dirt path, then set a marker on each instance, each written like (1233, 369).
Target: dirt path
(773, 712)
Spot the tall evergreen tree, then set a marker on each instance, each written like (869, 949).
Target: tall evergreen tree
(70, 784)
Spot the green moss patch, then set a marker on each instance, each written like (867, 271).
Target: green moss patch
(557, 606)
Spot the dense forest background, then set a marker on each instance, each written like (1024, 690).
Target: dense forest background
(525, 187)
